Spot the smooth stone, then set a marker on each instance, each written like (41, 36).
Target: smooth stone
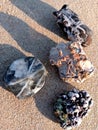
(25, 77)
(71, 61)
(73, 28)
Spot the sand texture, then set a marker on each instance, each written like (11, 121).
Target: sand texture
(27, 27)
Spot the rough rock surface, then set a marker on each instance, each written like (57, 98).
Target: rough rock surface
(71, 61)
(25, 77)
(73, 27)
(71, 107)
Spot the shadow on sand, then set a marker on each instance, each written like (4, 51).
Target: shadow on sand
(27, 38)
(41, 12)
(8, 53)
(39, 45)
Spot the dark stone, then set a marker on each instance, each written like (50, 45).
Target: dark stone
(25, 77)
(73, 28)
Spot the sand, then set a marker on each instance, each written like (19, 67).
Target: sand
(27, 27)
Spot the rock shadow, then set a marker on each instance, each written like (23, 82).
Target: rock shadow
(8, 54)
(26, 37)
(47, 96)
(39, 45)
(41, 12)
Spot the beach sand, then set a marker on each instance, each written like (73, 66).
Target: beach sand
(27, 27)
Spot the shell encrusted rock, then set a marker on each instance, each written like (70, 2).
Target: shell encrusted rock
(25, 77)
(74, 29)
(71, 61)
(70, 107)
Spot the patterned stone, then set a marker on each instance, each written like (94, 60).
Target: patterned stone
(25, 77)
(70, 108)
(71, 61)
(73, 27)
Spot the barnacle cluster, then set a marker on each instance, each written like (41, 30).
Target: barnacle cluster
(70, 107)
(73, 28)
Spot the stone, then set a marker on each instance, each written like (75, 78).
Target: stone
(25, 77)
(71, 61)
(68, 113)
(73, 28)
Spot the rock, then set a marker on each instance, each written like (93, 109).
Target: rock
(73, 28)
(68, 113)
(71, 61)
(25, 77)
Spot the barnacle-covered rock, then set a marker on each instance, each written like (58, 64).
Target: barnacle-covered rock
(74, 29)
(25, 77)
(71, 61)
(71, 107)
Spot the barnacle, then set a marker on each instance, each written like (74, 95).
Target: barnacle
(73, 28)
(70, 107)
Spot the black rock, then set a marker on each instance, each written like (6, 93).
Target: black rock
(68, 113)
(73, 28)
